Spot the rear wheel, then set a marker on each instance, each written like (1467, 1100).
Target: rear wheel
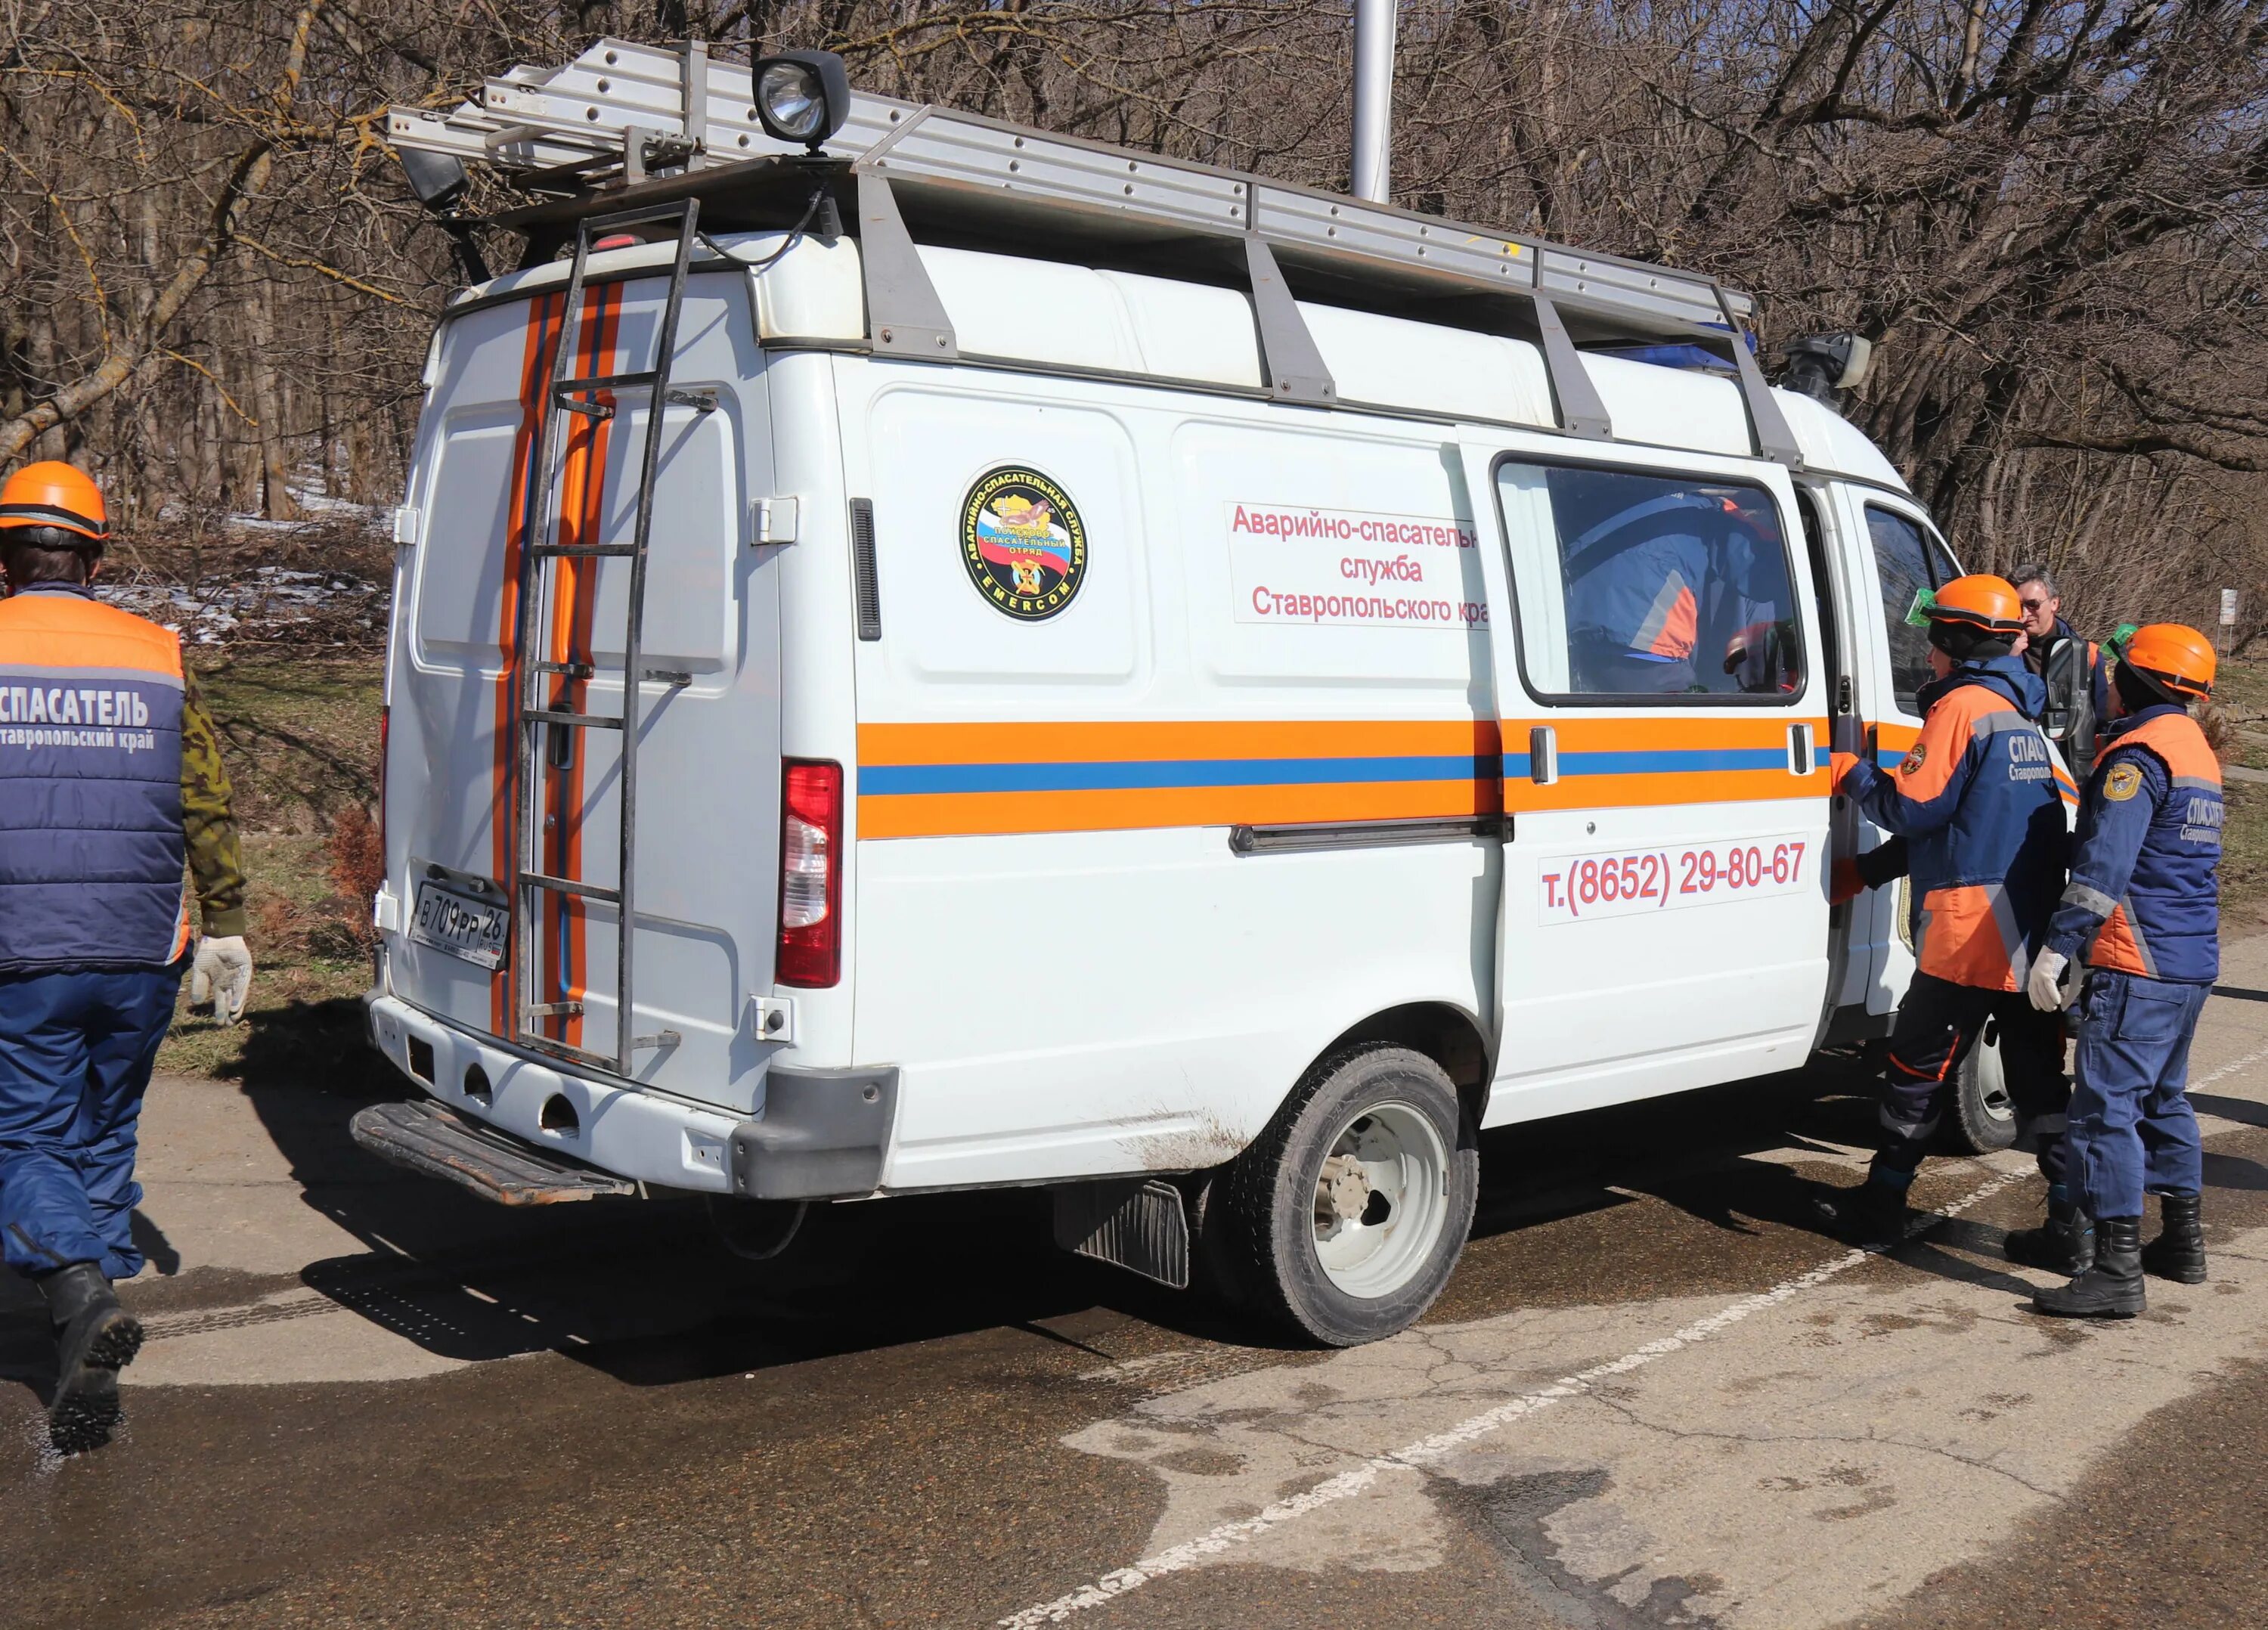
(1353, 1207)
(1984, 1116)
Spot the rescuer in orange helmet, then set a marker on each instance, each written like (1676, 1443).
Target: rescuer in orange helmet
(1976, 802)
(97, 929)
(2143, 909)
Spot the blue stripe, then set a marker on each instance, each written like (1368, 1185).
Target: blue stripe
(898, 780)
(913, 780)
(1672, 761)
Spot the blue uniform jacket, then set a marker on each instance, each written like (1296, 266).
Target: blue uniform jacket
(1976, 800)
(93, 854)
(2145, 891)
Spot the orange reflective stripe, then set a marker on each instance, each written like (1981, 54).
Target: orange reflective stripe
(1673, 628)
(65, 631)
(534, 377)
(1944, 1065)
(1945, 736)
(1967, 937)
(2116, 947)
(2175, 739)
(180, 929)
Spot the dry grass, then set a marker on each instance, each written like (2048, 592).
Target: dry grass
(301, 739)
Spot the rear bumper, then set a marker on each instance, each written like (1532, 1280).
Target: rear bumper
(633, 1134)
(822, 1134)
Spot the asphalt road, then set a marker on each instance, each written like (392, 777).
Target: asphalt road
(1652, 1394)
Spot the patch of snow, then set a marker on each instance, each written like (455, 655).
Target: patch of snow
(265, 604)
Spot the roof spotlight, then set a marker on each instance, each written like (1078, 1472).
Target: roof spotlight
(1824, 365)
(802, 96)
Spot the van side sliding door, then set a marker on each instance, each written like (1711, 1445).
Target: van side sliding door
(1660, 681)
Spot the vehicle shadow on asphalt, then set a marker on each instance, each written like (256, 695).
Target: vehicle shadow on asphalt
(643, 1289)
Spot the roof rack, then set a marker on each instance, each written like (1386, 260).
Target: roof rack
(627, 124)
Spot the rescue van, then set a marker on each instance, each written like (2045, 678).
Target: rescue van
(929, 655)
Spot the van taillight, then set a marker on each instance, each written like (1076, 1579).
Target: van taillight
(811, 875)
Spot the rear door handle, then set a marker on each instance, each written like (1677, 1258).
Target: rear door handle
(1800, 758)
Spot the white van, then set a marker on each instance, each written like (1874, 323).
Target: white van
(1203, 718)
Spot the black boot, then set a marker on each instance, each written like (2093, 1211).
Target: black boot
(95, 1338)
(1872, 1215)
(2178, 1252)
(2112, 1288)
(2065, 1244)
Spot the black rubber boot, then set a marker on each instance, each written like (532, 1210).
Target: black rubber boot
(95, 1338)
(2178, 1252)
(1872, 1215)
(2112, 1288)
(2065, 1244)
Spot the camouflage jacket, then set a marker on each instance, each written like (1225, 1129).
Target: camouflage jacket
(209, 820)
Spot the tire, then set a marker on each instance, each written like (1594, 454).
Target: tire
(1359, 1252)
(1982, 1118)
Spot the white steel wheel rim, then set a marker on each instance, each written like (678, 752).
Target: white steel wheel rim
(1380, 1199)
(1992, 1095)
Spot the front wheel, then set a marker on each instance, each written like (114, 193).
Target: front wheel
(1354, 1206)
(1984, 1116)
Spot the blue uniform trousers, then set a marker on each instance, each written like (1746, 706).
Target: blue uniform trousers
(2131, 1126)
(76, 1052)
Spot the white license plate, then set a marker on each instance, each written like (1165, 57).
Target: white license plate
(460, 925)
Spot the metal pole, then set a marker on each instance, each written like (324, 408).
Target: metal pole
(1373, 97)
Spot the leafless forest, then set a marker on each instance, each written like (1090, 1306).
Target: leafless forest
(2049, 213)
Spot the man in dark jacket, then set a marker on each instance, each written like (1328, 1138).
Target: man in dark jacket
(111, 791)
(2070, 667)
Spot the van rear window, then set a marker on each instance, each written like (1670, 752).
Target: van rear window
(1638, 586)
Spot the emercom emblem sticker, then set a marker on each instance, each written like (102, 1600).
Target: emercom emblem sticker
(1023, 542)
(2122, 782)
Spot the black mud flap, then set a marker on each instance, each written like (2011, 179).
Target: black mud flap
(426, 1138)
(1140, 1225)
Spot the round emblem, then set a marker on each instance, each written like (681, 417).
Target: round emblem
(2121, 783)
(1023, 543)
(1913, 760)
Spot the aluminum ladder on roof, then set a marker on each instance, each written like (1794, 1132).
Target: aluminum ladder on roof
(620, 110)
(550, 711)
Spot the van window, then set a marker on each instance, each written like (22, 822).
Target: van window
(1908, 561)
(1632, 584)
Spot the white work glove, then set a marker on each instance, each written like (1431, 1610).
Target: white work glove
(222, 975)
(2045, 985)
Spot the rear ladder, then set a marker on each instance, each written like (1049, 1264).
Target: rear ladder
(546, 726)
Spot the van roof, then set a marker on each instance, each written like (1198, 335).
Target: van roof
(645, 132)
(1114, 323)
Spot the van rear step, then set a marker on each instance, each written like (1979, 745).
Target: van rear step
(426, 1138)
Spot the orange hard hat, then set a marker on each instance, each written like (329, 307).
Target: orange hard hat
(2179, 660)
(51, 494)
(1979, 601)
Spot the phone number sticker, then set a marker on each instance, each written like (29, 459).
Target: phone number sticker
(1573, 889)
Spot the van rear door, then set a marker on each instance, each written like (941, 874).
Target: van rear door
(707, 809)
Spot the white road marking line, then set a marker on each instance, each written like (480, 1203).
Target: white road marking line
(2228, 1069)
(1425, 1451)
